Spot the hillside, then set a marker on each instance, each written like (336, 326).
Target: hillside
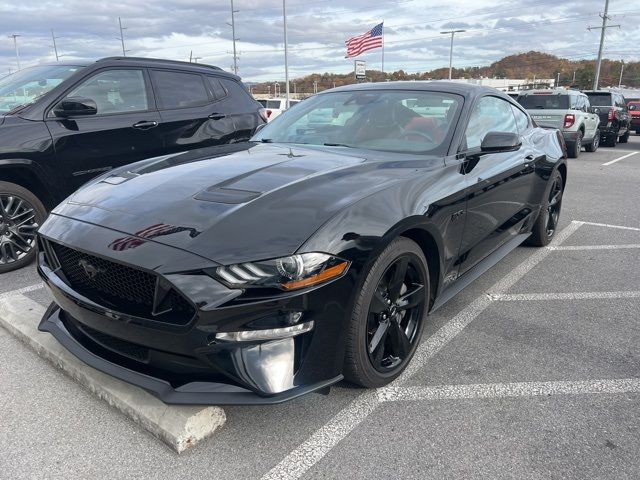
(523, 65)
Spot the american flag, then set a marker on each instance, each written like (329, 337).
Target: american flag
(367, 41)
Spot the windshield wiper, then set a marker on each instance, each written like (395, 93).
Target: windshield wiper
(337, 145)
(266, 140)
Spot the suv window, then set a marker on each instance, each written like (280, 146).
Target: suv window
(541, 101)
(215, 88)
(179, 89)
(491, 114)
(600, 99)
(115, 91)
(235, 89)
(522, 121)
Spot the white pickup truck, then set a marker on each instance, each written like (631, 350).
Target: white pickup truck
(568, 111)
(275, 106)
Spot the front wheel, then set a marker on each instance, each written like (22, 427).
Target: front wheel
(625, 138)
(595, 143)
(388, 315)
(547, 223)
(21, 213)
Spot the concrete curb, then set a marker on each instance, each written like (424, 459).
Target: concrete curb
(180, 427)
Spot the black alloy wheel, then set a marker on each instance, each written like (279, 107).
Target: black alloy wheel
(389, 315)
(553, 206)
(21, 213)
(546, 224)
(394, 313)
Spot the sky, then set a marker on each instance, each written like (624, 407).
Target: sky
(317, 29)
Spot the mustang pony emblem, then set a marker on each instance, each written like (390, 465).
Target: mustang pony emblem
(91, 270)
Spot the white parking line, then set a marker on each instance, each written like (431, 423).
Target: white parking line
(618, 159)
(521, 297)
(22, 290)
(502, 390)
(312, 450)
(620, 227)
(596, 247)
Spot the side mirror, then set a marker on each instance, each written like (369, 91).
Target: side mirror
(75, 107)
(495, 142)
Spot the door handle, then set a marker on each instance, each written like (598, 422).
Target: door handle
(145, 125)
(217, 116)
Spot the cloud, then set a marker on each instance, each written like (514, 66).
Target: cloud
(317, 30)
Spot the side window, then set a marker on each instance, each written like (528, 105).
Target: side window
(522, 121)
(216, 88)
(179, 89)
(490, 114)
(235, 89)
(115, 91)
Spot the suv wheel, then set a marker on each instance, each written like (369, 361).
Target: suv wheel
(575, 148)
(595, 143)
(21, 213)
(625, 138)
(611, 140)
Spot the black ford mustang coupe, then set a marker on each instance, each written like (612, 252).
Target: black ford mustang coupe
(257, 272)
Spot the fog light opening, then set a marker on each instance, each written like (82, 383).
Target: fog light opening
(266, 334)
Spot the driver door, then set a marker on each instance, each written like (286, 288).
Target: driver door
(498, 187)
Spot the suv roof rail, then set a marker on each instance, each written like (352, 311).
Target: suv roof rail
(158, 60)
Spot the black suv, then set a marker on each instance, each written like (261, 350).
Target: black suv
(615, 120)
(64, 123)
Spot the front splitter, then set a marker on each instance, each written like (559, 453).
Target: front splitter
(196, 393)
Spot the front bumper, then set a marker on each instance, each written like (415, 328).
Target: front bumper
(186, 363)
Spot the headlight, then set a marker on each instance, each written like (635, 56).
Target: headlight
(287, 273)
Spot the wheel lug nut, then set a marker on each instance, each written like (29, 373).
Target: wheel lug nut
(388, 302)
(384, 316)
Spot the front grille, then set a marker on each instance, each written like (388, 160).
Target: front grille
(124, 289)
(128, 349)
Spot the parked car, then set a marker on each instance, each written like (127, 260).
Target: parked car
(634, 111)
(567, 110)
(275, 106)
(62, 124)
(615, 121)
(309, 255)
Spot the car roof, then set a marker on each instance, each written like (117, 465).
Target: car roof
(466, 89)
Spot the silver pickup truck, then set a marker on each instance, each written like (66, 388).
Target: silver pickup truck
(567, 110)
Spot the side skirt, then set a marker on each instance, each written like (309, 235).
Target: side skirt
(482, 266)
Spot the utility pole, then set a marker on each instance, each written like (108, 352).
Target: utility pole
(603, 28)
(621, 71)
(286, 54)
(233, 36)
(452, 33)
(55, 48)
(121, 37)
(190, 56)
(558, 80)
(15, 45)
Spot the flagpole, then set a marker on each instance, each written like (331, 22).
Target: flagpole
(383, 47)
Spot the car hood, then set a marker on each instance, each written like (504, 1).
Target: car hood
(234, 203)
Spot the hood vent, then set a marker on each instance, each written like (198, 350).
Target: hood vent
(230, 196)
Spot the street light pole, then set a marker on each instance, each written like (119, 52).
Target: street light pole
(124, 52)
(15, 45)
(55, 48)
(621, 72)
(286, 53)
(233, 35)
(452, 33)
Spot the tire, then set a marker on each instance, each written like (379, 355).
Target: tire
(541, 233)
(575, 147)
(595, 143)
(625, 138)
(17, 235)
(637, 131)
(369, 367)
(611, 141)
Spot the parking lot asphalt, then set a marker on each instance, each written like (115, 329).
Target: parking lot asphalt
(531, 372)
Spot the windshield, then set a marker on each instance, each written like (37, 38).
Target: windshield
(393, 121)
(28, 84)
(544, 102)
(600, 99)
